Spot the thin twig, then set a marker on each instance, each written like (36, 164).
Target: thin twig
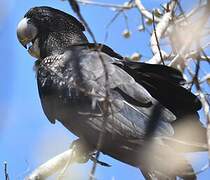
(106, 5)
(195, 77)
(6, 171)
(158, 33)
(157, 42)
(114, 18)
(105, 104)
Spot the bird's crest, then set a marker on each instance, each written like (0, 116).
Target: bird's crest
(54, 18)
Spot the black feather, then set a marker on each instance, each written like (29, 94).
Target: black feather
(53, 19)
(164, 84)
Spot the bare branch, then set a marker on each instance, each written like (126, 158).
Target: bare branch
(53, 165)
(159, 31)
(156, 58)
(179, 61)
(205, 78)
(194, 11)
(106, 5)
(207, 114)
(6, 171)
(144, 11)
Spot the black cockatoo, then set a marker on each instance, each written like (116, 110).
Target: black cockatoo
(151, 118)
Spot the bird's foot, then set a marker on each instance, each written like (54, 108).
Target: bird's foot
(92, 158)
(84, 152)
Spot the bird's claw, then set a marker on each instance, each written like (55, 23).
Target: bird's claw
(85, 153)
(92, 158)
(82, 150)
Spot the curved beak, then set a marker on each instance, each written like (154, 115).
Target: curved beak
(26, 32)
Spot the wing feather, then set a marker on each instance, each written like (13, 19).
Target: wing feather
(59, 74)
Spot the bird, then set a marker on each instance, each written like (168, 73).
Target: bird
(151, 119)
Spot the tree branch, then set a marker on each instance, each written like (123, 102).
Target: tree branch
(179, 61)
(106, 5)
(157, 34)
(145, 12)
(53, 165)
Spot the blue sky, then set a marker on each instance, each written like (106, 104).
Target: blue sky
(27, 138)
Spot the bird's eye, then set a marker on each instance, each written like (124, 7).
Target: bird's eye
(33, 40)
(29, 21)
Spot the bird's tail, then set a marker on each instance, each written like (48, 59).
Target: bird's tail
(161, 162)
(190, 135)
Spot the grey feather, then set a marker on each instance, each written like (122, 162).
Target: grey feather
(82, 70)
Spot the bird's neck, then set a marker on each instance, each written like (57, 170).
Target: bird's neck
(56, 42)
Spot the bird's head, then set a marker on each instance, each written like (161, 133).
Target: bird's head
(45, 30)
